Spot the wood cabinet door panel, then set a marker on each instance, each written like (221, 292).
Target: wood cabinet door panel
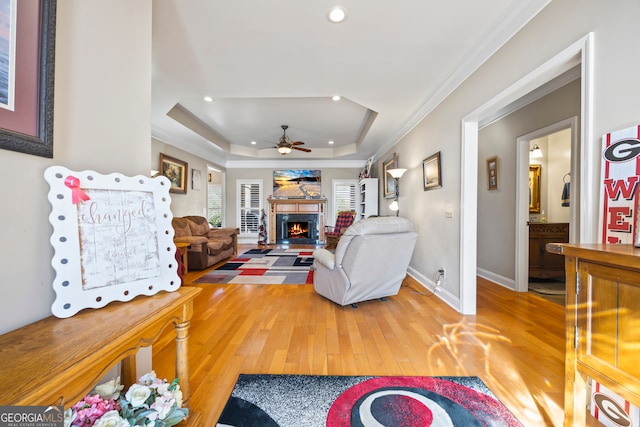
(629, 327)
(609, 318)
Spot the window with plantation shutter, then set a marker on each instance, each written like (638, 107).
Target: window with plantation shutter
(344, 196)
(249, 196)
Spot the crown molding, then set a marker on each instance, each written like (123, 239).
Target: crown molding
(509, 24)
(294, 164)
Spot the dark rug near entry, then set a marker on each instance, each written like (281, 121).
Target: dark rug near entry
(264, 267)
(332, 401)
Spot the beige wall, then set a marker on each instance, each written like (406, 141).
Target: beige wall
(497, 208)
(266, 175)
(101, 123)
(558, 26)
(194, 202)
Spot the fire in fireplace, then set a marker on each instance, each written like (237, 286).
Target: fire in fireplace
(298, 230)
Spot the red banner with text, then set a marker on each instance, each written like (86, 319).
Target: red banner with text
(620, 175)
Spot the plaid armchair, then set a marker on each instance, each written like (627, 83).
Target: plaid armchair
(332, 234)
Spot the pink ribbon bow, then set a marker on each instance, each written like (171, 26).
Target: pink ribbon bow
(76, 192)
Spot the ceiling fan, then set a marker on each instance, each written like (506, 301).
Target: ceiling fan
(285, 145)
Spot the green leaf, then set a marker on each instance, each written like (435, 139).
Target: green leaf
(175, 416)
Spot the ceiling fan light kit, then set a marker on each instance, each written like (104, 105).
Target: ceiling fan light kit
(286, 145)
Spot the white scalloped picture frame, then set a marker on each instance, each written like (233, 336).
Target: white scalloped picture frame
(115, 245)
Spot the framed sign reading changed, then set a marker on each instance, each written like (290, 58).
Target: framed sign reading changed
(112, 237)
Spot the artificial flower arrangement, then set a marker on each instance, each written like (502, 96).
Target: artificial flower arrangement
(150, 402)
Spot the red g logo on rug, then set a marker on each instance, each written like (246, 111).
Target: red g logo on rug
(424, 401)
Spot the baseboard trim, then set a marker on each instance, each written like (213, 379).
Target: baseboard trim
(418, 279)
(496, 278)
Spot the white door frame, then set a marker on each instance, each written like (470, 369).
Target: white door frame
(522, 195)
(580, 52)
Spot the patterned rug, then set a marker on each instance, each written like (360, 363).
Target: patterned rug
(265, 267)
(314, 401)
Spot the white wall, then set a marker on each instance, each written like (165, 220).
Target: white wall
(558, 26)
(101, 123)
(555, 164)
(194, 202)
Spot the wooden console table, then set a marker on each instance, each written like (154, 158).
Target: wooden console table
(602, 318)
(58, 361)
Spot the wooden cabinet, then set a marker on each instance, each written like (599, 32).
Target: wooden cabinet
(602, 323)
(542, 264)
(368, 198)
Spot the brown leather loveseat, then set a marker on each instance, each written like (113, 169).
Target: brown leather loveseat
(208, 245)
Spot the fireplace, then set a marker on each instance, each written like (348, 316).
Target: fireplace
(297, 228)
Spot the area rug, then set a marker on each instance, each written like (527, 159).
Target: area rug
(264, 267)
(548, 287)
(341, 401)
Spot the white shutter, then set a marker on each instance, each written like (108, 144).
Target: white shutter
(249, 193)
(344, 196)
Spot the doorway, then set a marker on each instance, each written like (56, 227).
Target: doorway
(579, 53)
(560, 167)
(215, 197)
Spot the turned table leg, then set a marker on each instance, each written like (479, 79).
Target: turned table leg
(182, 360)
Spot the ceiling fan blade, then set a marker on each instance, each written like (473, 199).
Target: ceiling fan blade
(306, 150)
(297, 143)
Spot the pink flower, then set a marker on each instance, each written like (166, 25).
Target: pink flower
(91, 408)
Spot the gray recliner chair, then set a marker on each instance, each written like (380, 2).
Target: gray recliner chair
(370, 261)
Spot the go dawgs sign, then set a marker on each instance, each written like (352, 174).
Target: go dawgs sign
(620, 176)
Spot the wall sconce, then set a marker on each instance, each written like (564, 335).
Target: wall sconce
(396, 174)
(535, 152)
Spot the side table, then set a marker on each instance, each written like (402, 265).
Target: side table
(183, 248)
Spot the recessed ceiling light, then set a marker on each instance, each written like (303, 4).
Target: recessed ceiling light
(336, 97)
(330, 142)
(208, 98)
(337, 14)
(253, 143)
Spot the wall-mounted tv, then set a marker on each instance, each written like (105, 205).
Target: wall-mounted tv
(297, 184)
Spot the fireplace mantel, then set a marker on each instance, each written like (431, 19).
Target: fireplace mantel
(292, 206)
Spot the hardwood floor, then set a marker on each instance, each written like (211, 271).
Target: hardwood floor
(515, 343)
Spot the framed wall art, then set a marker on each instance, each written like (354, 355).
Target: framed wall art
(176, 172)
(26, 89)
(112, 237)
(389, 184)
(534, 188)
(492, 173)
(431, 172)
(196, 179)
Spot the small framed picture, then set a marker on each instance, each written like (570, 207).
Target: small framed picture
(389, 185)
(196, 179)
(176, 171)
(492, 173)
(431, 172)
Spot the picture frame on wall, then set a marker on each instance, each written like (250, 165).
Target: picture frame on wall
(389, 185)
(176, 171)
(492, 173)
(431, 172)
(535, 171)
(26, 114)
(196, 179)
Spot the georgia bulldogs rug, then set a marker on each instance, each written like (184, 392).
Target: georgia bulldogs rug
(345, 401)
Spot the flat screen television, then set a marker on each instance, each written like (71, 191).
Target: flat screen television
(297, 184)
